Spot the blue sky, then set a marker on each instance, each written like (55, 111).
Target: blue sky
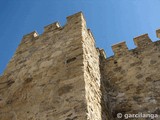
(111, 21)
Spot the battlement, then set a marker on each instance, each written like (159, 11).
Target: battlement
(31, 35)
(101, 53)
(78, 21)
(52, 27)
(73, 22)
(60, 74)
(158, 33)
(120, 48)
(76, 18)
(142, 41)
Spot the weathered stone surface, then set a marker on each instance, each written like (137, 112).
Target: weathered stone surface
(61, 75)
(135, 90)
(48, 83)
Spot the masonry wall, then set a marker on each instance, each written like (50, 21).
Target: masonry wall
(92, 78)
(54, 76)
(45, 78)
(131, 78)
(61, 75)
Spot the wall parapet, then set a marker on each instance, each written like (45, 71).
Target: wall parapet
(31, 35)
(120, 48)
(52, 27)
(102, 53)
(75, 18)
(78, 20)
(72, 20)
(158, 33)
(142, 41)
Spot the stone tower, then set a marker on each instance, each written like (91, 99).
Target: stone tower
(61, 75)
(53, 76)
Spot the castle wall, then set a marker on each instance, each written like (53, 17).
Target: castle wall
(45, 78)
(131, 78)
(92, 77)
(61, 75)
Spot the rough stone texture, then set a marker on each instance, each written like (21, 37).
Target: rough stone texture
(92, 77)
(131, 78)
(45, 78)
(61, 75)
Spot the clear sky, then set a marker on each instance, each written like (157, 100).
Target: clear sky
(111, 21)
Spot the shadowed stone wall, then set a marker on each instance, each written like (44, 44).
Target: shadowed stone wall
(131, 78)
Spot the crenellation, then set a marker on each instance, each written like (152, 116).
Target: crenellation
(142, 41)
(72, 21)
(61, 75)
(76, 18)
(120, 49)
(124, 77)
(52, 27)
(102, 53)
(158, 33)
(31, 35)
(91, 35)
